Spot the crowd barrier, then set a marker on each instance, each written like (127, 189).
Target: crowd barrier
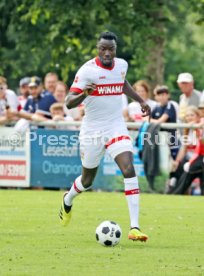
(49, 158)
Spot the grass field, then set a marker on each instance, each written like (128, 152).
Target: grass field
(32, 242)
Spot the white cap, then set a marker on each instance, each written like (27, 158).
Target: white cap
(185, 77)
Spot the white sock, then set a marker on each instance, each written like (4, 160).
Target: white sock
(75, 190)
(132, 194)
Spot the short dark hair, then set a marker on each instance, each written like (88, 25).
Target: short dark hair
(108, 36)
(161, 89)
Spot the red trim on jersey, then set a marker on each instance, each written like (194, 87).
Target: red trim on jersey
(75, 89)
(98, 63)
(75, 188)
(132, 192)
(117, 139)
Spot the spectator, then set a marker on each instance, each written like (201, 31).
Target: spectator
(134, 109)
(38, 102)
(8, 101)
(165, 112)
(24, 91)
(60, 94)
(201, 111)
(188, 148)
(58, 114)
(190, 96)
(50, 82)
(194, 168)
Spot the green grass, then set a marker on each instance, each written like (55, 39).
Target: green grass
(33, 243)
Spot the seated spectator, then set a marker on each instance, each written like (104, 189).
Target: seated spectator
(187, 149)
(8, 101)
(190, 96)
(57, 114)
(24, 91)
(60, 94)
(165, 112)
(38, 102)
(50, 82)
(134, 108)
(193, 169)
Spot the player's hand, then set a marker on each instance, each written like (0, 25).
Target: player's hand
(89, 89)
(146, 110)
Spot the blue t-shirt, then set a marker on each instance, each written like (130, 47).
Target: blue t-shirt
(41, 104)
(170, 110)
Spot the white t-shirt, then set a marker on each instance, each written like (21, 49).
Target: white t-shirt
(11, 100)
(134, 109)
(103, 108)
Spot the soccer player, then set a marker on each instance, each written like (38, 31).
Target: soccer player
(99, 84)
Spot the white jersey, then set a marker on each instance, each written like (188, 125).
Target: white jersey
(11, 100)
(103, 108)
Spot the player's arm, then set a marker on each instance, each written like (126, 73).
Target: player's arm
(130, 92)
(74, 99)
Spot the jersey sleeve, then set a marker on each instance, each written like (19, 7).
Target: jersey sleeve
(82, 78)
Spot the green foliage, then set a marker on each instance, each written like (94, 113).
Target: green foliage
(40, 36)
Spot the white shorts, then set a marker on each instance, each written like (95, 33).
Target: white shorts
(93, 149)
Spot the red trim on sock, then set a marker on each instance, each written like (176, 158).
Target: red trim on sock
(132, 192)
(76, 189)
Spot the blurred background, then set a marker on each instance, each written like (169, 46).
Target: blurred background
(158, 38)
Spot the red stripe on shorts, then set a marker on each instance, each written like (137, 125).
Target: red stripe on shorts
(76, 189)
(117, 139)
(132, 192)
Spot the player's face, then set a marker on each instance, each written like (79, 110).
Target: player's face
(106, 51)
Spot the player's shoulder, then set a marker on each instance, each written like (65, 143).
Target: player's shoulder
(87, 66)
(89, 63)
(121, 61)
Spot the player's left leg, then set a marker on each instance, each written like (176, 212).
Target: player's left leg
(125, 162)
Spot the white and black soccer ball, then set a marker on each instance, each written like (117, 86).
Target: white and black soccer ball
(108, 233)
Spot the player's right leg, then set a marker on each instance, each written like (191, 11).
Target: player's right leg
(81, 184)
(91, 152)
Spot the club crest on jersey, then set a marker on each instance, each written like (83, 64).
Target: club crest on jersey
(123, 75)
(76, 79)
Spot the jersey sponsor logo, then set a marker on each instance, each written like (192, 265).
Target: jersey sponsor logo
(108, 89)
(102, 77)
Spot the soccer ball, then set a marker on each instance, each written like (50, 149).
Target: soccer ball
(108, 233)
